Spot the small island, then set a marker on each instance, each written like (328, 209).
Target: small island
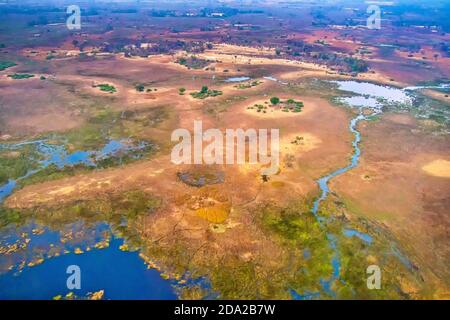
(275, 103)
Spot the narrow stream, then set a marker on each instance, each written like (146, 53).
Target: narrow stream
(368, 102)
(325, 190)
(366, 97)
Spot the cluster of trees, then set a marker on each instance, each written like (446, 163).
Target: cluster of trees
(193, 62)
(356, 65)
(318, 53)
(205, 92)
(135, 48)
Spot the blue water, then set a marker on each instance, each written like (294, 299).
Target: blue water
(7, 189)
(237, 79)
(122, 275)
(305, 296)
(270, 78)
(362, 101)
(355, 233)
(390, 94)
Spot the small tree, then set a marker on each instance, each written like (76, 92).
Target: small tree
(275, 100)
(204, 89)
(182, 91)
(140, 87)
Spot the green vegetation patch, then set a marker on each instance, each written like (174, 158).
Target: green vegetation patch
(205, 92)
(291, 105)
(106, 88)
(193, 62)
(98, 130)
(19, 76)
(129, 205)
(15, 164)
(6, 64)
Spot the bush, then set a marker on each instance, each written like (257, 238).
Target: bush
(205, 92)
(275, 100)
(107, 88)
(18, 76)
(140, 87)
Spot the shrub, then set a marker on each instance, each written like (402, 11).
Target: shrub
(17, 76)
(140, 87)
(275, 100)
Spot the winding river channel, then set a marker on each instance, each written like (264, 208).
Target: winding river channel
(368, 97)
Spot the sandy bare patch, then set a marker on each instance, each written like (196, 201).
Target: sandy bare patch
(401, 119)
(300, 142)
(438, 168)
(46, 122)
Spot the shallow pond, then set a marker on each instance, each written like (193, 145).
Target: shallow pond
(237, 79)
(389, 94)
